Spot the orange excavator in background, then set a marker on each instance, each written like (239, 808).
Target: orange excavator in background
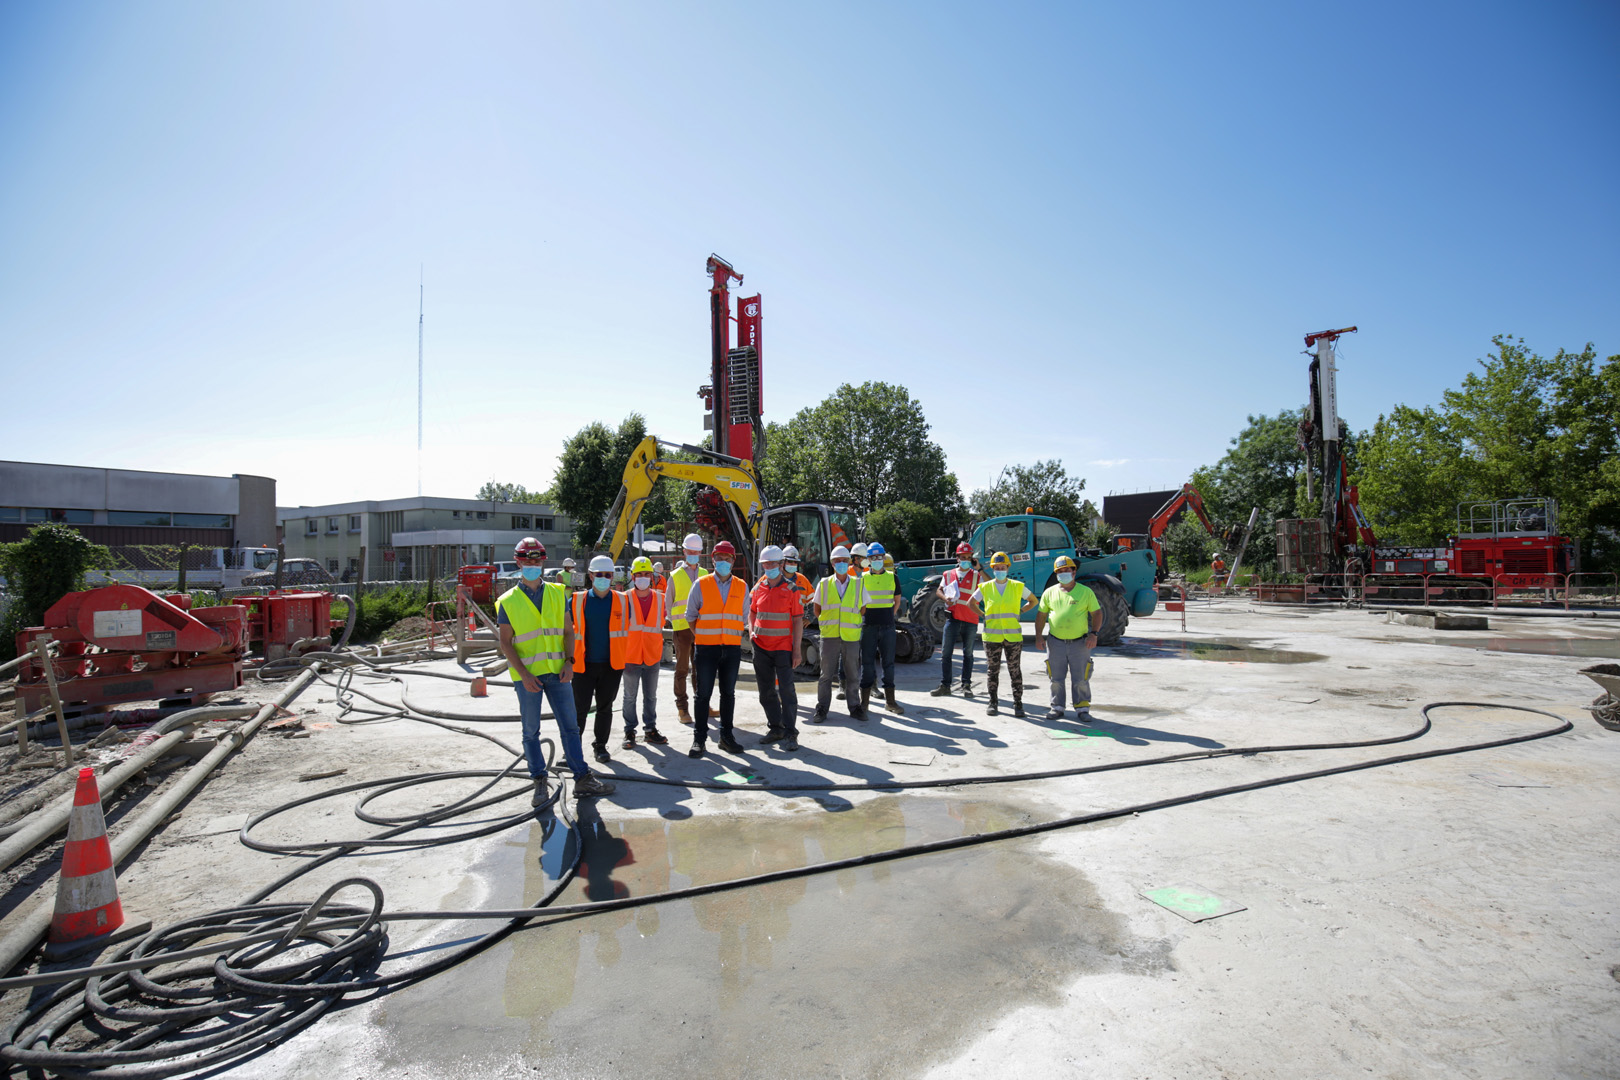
(1186, 498)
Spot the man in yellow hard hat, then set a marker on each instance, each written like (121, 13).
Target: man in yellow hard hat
(1001, 600)
(1076, 619)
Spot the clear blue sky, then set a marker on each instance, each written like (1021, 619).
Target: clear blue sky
(1095, 232)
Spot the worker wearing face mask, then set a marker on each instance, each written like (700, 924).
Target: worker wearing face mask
(857, 567)
(536, 636)
(838, 614)
(1002, 600)
(961, 621)
(601, 629)
(791, 574)
(643, 654)
(681, 581)
(775, 625)
(1076, 617)
(880, 606)
(716, 610)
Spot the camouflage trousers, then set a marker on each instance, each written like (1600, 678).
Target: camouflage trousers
(1013, 653)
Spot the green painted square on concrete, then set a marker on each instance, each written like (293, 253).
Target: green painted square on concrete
(1192, 902)
(1070, 733)
(735, 778)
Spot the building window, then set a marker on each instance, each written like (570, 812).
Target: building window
(73, 517)
(354, 523)
(138, 517)
(545, 524)
(354, 564)
(331, 566)
(331, 525)
(483, 515)
(10, 513)
(519, 521)
(203, 521)
(455, 513)
(35, 513)
(311, 527)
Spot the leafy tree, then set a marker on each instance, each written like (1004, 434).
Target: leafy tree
(906, 528)
(1046, 486)
(509, 493)
(864, 446)
(1262, 468)
(1411, 476)
(39, 571)
(590, 472)
(1186, 546)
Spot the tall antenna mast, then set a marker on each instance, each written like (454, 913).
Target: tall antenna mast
(420, 310)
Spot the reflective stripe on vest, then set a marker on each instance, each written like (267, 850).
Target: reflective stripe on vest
(1001, 611)
(840, 614)
(646, 639)
(878, 589)
(618, 631)
(536, 634)
(683, 588)
(720, 623)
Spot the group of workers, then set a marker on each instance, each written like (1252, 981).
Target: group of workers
(574, 648)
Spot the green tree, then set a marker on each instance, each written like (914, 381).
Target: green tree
(1262, 468)
(590, 472)
(1411, 476)
(1045, 486)
(864, 446)
(509, 493)
(39, 571)
(1186, 546)
(906, 528)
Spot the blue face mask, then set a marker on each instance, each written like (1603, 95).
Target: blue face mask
(602, 584)
(840, 567)
(1001, 575)
(1065, 578)
(691, 559)
(531, 573)
(722, 567)
(774, 572)
(963, 564)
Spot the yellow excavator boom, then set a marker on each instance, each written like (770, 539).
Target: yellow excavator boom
(734, 479)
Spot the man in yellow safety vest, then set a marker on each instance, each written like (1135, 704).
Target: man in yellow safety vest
(1001, 601)
(880, 604)
(838, 613)
(681, 580)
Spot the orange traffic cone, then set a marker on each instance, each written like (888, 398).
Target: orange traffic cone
(87, 894)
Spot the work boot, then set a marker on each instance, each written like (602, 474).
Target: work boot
(840, 695)
(775, 734)
(967, 689)
(655, 738)
(866, 698)
(819, 716)
(891, 704)
(602, 754)
(697, 749)
(1084, 716)
(995, 706)
(588, 785)
(942, 690)
(542, 791)
(730, 745)
(686, 717)
(1018, 709)
(630, 741)
(857, 713)
(789, 743)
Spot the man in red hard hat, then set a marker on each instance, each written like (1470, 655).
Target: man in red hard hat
(716, 609)
(962, 619)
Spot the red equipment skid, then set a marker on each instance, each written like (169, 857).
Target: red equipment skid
(278, 621)
(479, 578)
(124, 643)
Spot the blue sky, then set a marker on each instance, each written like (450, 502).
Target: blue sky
(1095, 232)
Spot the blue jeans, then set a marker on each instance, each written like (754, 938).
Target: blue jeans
(967, 633)
(877, 639)
(561, 698)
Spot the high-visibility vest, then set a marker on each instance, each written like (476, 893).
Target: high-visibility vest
(1001, 610)
(841, 612)
(618, 628)
(877, 589)
(966, 582)
(537, 633)
(774, 608)
(806, 592)
(682, 577)
(645, 643)
(720, 623)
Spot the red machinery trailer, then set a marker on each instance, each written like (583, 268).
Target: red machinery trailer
(123, 643)
(278, 622)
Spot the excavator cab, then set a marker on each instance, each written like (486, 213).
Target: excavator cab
(815, 529)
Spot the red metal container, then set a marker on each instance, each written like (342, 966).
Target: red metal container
(480, 582)
(278, 621)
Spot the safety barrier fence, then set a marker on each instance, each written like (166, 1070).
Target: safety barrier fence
(1539, 586)
(1174, 605)
(1609, 595)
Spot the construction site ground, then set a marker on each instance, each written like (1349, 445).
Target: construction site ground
(1449, 917)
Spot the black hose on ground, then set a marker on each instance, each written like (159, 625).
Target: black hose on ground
(287, 964)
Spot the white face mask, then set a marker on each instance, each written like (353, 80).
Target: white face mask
(643, 583)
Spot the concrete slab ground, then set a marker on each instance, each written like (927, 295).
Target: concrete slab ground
(1448, 917)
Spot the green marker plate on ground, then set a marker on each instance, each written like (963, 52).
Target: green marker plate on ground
(1081, 734)
(1192, 902)
(735, 778)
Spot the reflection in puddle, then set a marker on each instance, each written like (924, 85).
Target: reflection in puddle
(871, 971)
(1226, 651)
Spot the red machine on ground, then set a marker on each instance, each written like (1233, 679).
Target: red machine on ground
(123, 643)
(285, 623)
(479, 579)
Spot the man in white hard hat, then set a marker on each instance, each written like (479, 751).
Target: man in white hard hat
(838, 614)
(601, 617)
(776, 625)
(680, 588)
(567, 576)
(857, 567)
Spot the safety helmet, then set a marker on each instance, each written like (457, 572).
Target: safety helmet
(790, 553)
(601, 564)
(568, 563)
(874, 549)
(859, 551)
(770, 553)
(528, 548)
(999, 561)
(693, 542)
(641, 563)
(964, 550)
(724, 548)
(888, 562)
(1063, 562)
(658, 568)
(840, 552)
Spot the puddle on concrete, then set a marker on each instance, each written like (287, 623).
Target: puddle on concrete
(1607, 648)
(875, 971)
(1231, 651)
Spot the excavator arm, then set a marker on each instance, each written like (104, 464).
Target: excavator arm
(1188, 496)
(733, 478)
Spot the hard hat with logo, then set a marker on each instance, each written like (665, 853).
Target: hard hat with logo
(770, 553)
(724, 550)
(601, 564)
(790, 553)
(840, 552)
(999, 561)
(1063, 562)
(529, 548)
(964, 550)
(875, 550)
(693, 542)
(641, 563)
(859, 551)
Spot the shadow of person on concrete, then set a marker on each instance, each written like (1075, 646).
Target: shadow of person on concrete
(1129, 734)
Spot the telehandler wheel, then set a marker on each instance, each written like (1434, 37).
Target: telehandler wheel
(928, 608)
(1116, 615)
